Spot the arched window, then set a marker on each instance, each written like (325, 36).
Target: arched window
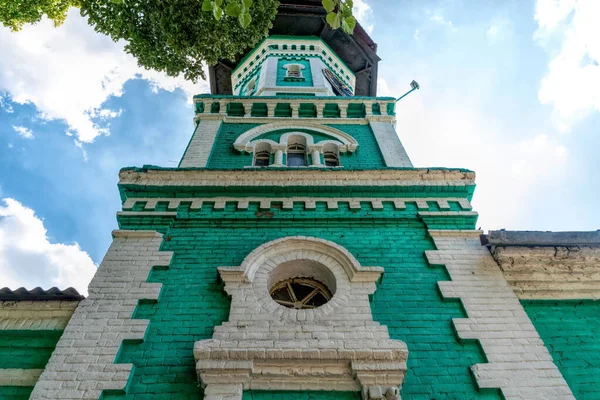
(250, 87)
(262, 158)
(331, 159)
(296, 155)
(331, 155)
(262, 155)
(294, 70)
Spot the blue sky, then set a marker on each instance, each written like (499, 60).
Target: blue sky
(509, 89)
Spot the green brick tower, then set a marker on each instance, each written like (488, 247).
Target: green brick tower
(296, 253)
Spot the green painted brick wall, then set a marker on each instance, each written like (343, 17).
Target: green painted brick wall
(224, 156)
(27, 349)
(571, 332)
(192, 302)
(15, 392)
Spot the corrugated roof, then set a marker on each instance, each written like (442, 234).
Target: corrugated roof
(39, 294)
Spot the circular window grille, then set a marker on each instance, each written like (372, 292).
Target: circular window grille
(300, 293)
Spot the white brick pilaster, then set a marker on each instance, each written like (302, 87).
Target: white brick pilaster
(83, 363)
(199, 148)
(518, 362)
(390, 146)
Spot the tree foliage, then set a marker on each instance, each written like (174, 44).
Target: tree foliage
(177, 36)
(16, 13)
(173, 36)
(339, 14)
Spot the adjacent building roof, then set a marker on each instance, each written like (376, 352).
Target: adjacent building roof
(307, 18)
(39, 294)
(539, 238)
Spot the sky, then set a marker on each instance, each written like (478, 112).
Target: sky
(509, 89)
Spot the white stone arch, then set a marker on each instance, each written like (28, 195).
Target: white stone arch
(355, 352)
(327, 250)
(285, 138)
(257, 268)
(245, 141)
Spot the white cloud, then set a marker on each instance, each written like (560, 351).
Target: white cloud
(569, 31)
(70, 71)
(500, 28)
(439, 19)
(27, 258)
(5, 104)
(23, 132)
(364, 14)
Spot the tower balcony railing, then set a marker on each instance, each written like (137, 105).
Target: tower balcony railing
(375, 108)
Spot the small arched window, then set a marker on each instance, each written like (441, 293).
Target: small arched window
(296, 155)
(294, 71)
(262, 158)
(331, 155)
(331, 159)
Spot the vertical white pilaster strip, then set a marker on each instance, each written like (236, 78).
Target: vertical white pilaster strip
(393, 152)
(83, 363)
(198, 151)
(518, 362)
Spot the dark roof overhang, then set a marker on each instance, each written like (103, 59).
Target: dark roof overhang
(307, 18)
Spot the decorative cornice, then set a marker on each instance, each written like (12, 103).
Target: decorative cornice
(296, 177)
(267, 120)
(309, 203)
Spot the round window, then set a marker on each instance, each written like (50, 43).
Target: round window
(300, 293)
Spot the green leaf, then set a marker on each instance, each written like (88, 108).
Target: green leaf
(348, 24)
(218, 13)
(334, 19)
(329, 5)
(245, 20)
(233, 9)
(207, 5)
(330, 18)
(219, 3)
(247, 3)
(117, 1)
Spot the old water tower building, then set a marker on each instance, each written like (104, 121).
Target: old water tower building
(296, 253)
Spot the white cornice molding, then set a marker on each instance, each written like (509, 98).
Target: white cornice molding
(298, 177)
(266, 203)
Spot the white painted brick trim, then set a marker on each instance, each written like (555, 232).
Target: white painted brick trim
(298, 177)
(35, 315)
(265, 346)
(19, 377)
(288, 202)
(518, 362)
(390, 146)
(200, 147)
(551, 272)
(82, 365)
